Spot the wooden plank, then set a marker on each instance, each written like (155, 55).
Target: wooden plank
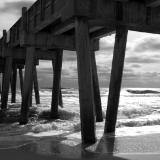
(131, 26)
(4, 44)
(56, 84)
(152, 3)
(102, 33)
(52, 18)
(13, 83)
(96, 90)
(28, 81)
(52, 6)
(42, 9)
(49, 41)
(41, 25)
(36, 86)
(20, 53)
(6, 81)
(85, 82)
(133, 12)
(122, 0)
(35, 15)
(63, 27)
(45, 54)
(23, 29)
(24, 19)
(116, 78)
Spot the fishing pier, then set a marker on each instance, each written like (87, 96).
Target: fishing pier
(49, 27)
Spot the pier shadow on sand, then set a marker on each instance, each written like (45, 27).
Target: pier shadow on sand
(61, 147)
(65, 147)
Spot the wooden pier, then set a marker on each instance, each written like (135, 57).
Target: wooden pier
(50, 26)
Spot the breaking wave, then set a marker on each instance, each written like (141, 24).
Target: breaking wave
(137, 109)
(142, 91)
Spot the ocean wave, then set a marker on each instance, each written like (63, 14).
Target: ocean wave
(150, 120)
(143, 91)
(64, 115)
(133, 112)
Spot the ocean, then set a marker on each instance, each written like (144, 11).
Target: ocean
(139, 112)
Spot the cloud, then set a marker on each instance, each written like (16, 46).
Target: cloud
(46, 70)
(69, 56)
(140, 59)
(106, 47)
(10, 11)
(14, 6)
(146, 79)
(148, 44)
(135, 66)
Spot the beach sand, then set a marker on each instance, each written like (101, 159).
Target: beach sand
(46, 146)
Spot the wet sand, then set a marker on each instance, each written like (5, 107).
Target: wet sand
(67, 146)
(17, 155)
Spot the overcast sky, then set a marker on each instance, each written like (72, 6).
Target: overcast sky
(142, 63)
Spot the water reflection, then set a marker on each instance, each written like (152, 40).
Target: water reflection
(53, 147)
(68, 146)
(71, 148)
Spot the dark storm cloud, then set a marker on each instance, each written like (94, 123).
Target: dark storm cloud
(143, 76)
(148, 44)
(15, 7)
(136, 66)
(129, 75)
(71, 73)
(128, 69)
(151, 74)
(45, 70)
(69, 56)
(141, 59)
(106, 47)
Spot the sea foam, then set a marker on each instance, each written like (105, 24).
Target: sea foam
(135, 111)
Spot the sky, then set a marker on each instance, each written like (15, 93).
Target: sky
(142, 61)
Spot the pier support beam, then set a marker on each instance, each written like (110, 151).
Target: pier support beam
(31, 95)
(57, 67)
(1, 83)
(13, 83)
(28, 82)
(116, 78)
(60, 97)
(85, 82)
(60, 100)
(0, 88)
(96, 91)
(6, 81)
(21, 79)
(36, 86)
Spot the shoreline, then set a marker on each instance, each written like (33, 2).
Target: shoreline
(67, 146)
